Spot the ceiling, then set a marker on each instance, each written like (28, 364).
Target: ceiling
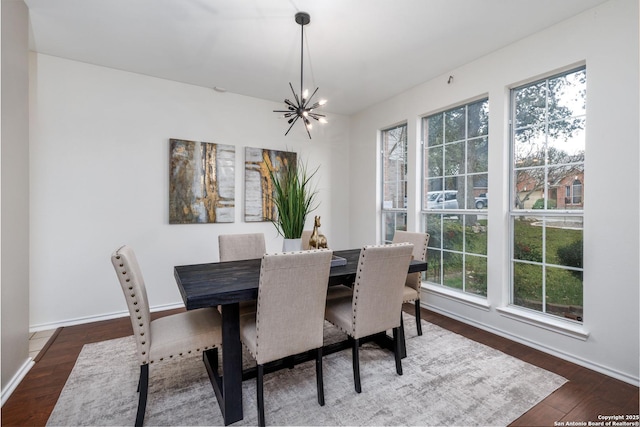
(358, 52)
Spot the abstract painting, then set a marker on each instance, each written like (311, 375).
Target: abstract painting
(201, 183)
(258, 188)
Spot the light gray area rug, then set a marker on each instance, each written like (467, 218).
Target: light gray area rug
(448, 380)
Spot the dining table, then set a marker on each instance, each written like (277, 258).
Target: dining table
(226, 285)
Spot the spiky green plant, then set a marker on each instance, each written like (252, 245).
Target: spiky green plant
(294, 197)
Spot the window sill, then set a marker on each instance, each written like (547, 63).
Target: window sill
(564, 327)
(458, 296)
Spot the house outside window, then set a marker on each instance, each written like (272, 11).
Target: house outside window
(548, 150)
(455, 198)
(394, 181)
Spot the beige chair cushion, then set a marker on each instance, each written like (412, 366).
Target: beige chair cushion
(377, 294)
(234, 247)
(185, 333)
(169, 336)
(291, 300)
(409, 294)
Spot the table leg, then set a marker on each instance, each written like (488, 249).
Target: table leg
(228, 388)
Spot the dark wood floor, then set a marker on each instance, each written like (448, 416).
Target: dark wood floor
(586, 395)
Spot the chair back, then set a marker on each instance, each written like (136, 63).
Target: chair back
(128, 271)
(378, 289)
(420, 242)
(291, 301)
(235, 247)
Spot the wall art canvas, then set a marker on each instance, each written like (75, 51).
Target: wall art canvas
(258, 188)
(202, 182)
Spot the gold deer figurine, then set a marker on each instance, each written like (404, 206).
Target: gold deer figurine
(317, 240)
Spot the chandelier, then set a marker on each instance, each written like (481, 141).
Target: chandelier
(302, 108)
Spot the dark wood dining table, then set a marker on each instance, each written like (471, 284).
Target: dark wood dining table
(227, 284)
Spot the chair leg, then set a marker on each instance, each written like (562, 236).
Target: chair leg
(397, 350)
(401, 337)
(260, 390)
(356, 364)
(418, 322)
(319, 379)
(143, 387)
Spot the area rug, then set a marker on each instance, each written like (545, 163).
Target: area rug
(448, 380)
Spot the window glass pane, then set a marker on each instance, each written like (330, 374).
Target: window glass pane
(564, 241)
(393, 221)
(527, 285)
(454, 159)
(560, 178)
(476, 275)
(528, 147)
(452, 270)
(434, 130)
(567, 95)
(566, 141)
(529, 188)
(564, 293)
(434, 162)
(434, 259)
(477, 197)
(454, 124)
(478, 155)
(476, 234)
(530, 108)
(478, 119)
(451, 184)
(395, 167)
(432, 223)
(452, 234)
(527, 239)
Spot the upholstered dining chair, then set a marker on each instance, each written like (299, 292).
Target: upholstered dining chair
(167, 338)
(290, 315)
(235, 247)
(376, 303)
(420, 242)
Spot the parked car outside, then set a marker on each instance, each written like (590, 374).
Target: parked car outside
(447, 199)
(482, 201)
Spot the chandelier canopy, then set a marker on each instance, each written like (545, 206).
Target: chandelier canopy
(302, 108)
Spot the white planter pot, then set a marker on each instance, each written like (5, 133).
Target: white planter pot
(291, 245)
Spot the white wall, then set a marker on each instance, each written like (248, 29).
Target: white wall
(14, 179)
(606, 39)
(100, 177)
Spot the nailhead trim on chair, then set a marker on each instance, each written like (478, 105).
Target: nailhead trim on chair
(132, 295)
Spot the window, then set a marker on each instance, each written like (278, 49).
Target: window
(394, 181)
(455, 198)
(548, 146)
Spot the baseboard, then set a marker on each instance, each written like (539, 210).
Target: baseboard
(99, 318)
(554, 352)
(17, 378)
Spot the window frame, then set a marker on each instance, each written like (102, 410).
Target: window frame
(469, 208)
(398, 215)
(546, 213)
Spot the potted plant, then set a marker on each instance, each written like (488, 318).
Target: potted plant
(293, 197)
